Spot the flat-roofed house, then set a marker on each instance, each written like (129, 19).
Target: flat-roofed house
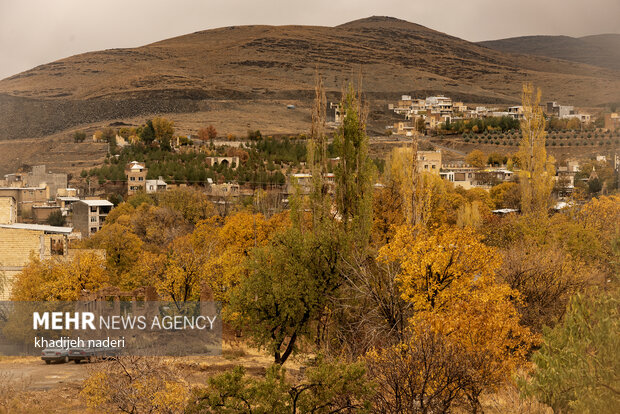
(135, 172)
(89, 215)
(429, 161)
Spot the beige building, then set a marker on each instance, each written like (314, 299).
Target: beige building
(135, 172)
(18, 241)
(25, 197)
(429, 161)
(89, 215)
(8, 210)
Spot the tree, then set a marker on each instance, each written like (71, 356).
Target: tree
(537, 171)
(577, 368)
(59, 279)
(208, 133)
(476, 159)
(287, 288)
(122, 247)
(448, 275)
(146, 132)
(546, 277)
(506, 195)
(440, 265)
(79, 136)
(354, 173)
(183, 271)
(56, 219)
(131, 384)
(328, 387)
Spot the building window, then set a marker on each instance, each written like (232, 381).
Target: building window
(93, 229)
(132, 178)
(57, 247)
(93, 219)
(140, 178)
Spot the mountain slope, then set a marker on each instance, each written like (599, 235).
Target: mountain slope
(191, 73)
(597, 50)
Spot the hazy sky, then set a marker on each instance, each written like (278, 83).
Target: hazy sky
(33, 32)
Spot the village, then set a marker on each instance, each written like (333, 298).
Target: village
(42, 212)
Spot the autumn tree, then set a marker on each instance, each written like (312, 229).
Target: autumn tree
(546, 277)
(476, 159)
(439, 265)
(133, 384)
(208, 133)
(183, 271)
(122, 247)
(60, 279)
(506, 195)
(537, 171)
(164, 130)
(448, 275)
(192, 203)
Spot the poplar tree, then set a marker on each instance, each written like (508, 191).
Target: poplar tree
(537, 171)
(355, 170)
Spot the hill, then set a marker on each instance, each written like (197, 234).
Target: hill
(597, 50)
(242, 77)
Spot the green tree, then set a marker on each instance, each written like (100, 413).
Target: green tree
(56, 219)
(79, 136)
(288, 287)
(578, 365)
(355, 171)
(328, 387)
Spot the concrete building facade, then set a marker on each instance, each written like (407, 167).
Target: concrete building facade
(89, 215)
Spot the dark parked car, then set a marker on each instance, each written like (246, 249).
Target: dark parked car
(78, 355)
(50, 355)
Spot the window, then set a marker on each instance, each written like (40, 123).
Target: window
(57, 247)
(140, 178)
(93, 219)
(93, 229)
(93, 209)
(132, 178)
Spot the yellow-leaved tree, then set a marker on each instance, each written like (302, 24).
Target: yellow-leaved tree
(537, 170)
(60, 279)
(465, 332)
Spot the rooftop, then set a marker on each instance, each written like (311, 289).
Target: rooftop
(95, 203)
(39, 227)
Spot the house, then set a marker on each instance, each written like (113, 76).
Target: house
(18, 241)
(38, 177)
(225, 190)
(154, 186)
(460, 174)
(26, 197)
(429, 161)
(515, 112)
(135, 172)
(89, 215)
